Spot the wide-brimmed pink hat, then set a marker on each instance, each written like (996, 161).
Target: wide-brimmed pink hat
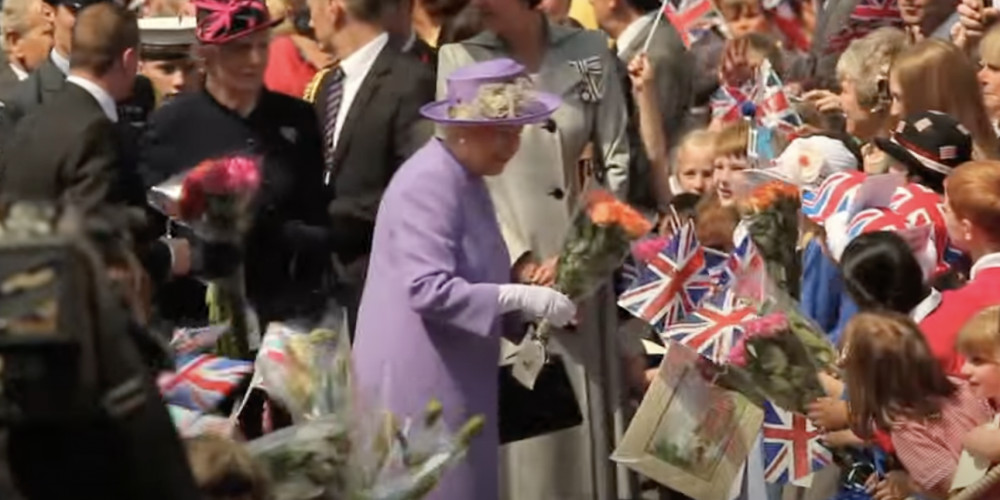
(494, 92)
(222, 21)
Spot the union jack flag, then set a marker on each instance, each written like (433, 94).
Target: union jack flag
(919, 206)
(836, 194)
(204, 381)
(691, 18)
(792, 448)
(672, 284)
(714, 328)
(773, 108)
(726, 103)
(744, 266)
(875, 219)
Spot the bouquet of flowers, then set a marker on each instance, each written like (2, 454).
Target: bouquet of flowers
(337, 449)
(598, 242)
(216, 197)
(772, 214)
(783, 352)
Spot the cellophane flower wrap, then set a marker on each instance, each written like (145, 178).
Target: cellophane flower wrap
(339, 448)
(771, 212)
(783, 352)
(216, 198)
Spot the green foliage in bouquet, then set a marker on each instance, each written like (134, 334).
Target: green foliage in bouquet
(599, 240)
(773, 214)
(775, 353)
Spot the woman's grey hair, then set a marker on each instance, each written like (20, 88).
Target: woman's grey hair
(16, 16)
(866, 62)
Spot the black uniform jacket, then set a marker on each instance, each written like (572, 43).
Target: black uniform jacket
(283, 267)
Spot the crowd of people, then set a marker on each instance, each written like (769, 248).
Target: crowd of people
(420, 166)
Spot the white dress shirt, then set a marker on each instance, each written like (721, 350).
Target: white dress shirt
(356, 67)
(630, 32)
(102, 97)
(61, 62)
(20, 73)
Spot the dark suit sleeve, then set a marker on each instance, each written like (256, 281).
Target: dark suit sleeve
(90, 166)
(410, 130)
(353, 217)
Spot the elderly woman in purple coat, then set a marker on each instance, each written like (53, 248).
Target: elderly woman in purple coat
(429, 324)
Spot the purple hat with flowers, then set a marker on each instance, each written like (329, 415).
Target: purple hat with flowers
(222, 21)
(494, 92)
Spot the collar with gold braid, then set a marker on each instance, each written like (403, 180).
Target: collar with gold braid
(313, 87)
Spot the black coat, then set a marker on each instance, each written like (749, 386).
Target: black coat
(382, 129)
(283, 272)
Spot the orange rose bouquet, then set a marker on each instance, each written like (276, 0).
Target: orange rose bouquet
(598, 242)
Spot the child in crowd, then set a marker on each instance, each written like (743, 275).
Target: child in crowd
(224, 470)
(979, 343)
(692, 170)
(897, 386)
(972, 214)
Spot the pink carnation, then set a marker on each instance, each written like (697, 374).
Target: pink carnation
(767, 326)
(738, 354)
(646, 249)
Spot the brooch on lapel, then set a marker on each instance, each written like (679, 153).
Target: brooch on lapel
(290, 134)
(591, 71)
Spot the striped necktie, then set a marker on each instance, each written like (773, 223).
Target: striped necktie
(334, 96)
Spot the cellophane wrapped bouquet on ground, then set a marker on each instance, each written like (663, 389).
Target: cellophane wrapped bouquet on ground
(338, 448)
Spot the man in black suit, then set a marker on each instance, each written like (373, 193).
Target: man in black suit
(368, 108)
(50, 78)
(26, 28)
(68, 149)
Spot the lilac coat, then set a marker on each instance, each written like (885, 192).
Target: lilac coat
(429, 323)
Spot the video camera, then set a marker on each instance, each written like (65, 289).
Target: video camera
(83, 415)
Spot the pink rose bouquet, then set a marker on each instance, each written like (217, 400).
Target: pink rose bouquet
(216, 196)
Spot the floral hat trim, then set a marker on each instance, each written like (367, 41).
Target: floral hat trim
(496, 101)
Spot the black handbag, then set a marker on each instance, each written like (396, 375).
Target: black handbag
(551, 406)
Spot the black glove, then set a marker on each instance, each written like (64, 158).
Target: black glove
(214, 259)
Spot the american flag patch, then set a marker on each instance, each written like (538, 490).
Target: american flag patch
(948, 152)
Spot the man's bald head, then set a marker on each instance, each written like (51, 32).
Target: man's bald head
(103, 35)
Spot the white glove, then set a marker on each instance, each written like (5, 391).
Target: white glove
(537, 302)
